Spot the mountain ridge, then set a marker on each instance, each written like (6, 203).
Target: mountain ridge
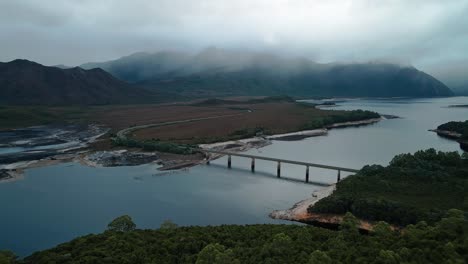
(215, 72)
(25, 82)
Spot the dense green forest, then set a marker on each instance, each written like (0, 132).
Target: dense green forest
(458, 127)
(345, 116)
(155, 145)
(444, 242)
(413, 188)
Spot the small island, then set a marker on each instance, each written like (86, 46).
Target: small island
(459, 106)
(455, 130)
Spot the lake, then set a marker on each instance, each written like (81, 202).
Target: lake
(54, 204)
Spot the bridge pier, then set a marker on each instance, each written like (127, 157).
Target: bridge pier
(278, 170)
(279, 161)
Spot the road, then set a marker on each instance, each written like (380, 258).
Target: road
(122, 134)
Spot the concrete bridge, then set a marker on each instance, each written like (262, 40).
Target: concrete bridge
(279, 161)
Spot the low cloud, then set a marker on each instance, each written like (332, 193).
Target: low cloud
(422, 33)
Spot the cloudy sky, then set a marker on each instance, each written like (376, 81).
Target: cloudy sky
(430, 34)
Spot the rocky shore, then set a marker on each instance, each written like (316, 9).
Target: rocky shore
(446, 133)
(299, 213)
(452, 135)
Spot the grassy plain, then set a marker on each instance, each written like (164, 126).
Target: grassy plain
(239, 118)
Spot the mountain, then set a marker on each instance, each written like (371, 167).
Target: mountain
(24, 82)
(215, 72)
(453, 73)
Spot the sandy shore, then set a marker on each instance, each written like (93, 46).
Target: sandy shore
(446, 133)
(299, 211)
(299, 135)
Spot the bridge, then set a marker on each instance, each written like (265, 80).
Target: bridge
(279, 161)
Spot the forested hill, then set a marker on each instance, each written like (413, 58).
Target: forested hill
(444, 242)
(215, 72)
(413, 188)
(24, 82)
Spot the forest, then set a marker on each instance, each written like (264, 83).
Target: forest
(458, 127)
(413, 188)
(442, 242)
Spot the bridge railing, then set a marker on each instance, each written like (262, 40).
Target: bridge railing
(279, 161)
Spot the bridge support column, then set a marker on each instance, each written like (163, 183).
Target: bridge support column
(307, 174)
(229, 161)
(252, 165)
(278, 170)
(339, 176)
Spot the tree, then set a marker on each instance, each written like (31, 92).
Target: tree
(216, 254)
(168, 224)
(7, 257)
(319, 257)
(465, 155)
(382, 230)
(122, 223)
(388, 257)
(349, 223)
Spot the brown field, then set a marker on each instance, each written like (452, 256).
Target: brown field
(273, 117)
(120, 117)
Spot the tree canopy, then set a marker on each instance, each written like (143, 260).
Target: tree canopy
(122, 223)
(443, 242)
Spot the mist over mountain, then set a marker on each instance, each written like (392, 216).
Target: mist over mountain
(453, 73)
(216, 72)
(25, 82)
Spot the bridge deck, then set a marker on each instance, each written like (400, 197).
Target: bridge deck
(281, 160)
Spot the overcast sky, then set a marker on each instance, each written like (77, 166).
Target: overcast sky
(430, 34)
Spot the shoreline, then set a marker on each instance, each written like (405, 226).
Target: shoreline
(453, 136)
(299, 213)
(15, 170)
(446, 133)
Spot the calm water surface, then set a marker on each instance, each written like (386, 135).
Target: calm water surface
(54, 204)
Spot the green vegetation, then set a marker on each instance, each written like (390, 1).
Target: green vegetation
(156, 145)
(458, 127)
(23, 116)
(443, 242)
(339, 117)
(268, 99)
(7, 257)
(123, 223)
(413, 188)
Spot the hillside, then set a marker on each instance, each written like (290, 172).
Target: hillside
(413, 188)
(24, 82)
(215, 72)
(445, 242)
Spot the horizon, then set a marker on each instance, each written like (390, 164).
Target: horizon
(429, 35)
